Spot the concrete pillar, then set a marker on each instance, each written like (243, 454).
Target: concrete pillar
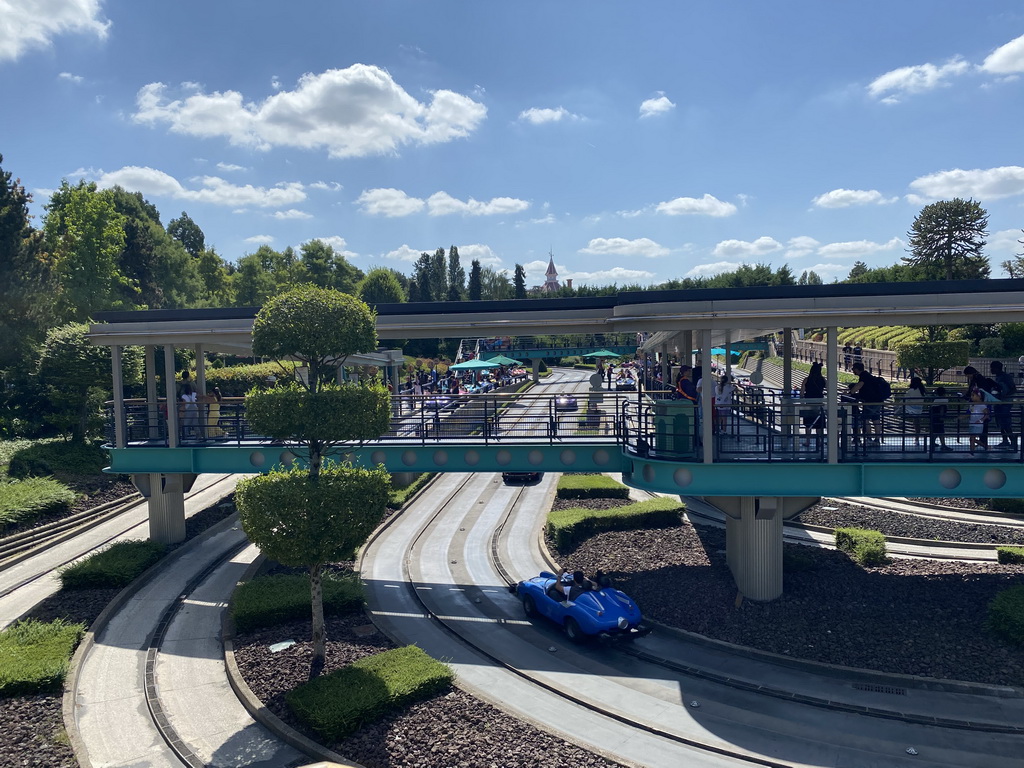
(120, 423)
(152, 404)
(396, 382)
(787, 361)
(832, 425)
(536, 369)
(753, 544)
(707, 398)
(200, 370)
(171, 392)
(728, 353)
(166, 500)
(686, 358)
(666, 368)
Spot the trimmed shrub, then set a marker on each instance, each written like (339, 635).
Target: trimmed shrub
(34, 656)
(591, 487)
(864, 546)
(339, 704)
(1010, 506)
(237, 380)
(568, 527)
(1010, 555)
(47, 457)
(271, 600)
(398, 496)
(116, 566)
(24, 500)
(1006, 615)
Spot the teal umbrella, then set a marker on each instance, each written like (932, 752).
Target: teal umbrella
(502, 360)
(474, 365)
(602, 353)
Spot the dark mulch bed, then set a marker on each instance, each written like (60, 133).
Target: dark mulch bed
(978, 505)
(836, 514)
(917, 617)
(451, 729)
(590, 503)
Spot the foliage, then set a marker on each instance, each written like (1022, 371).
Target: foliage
(991, 347)
(35, 656)
(320, 265)
(23, 500)
(1009, 506)
(931, 357)
(381, 286)
(456, 276)
(349, 413)
(1006, 615)
(476, 285)
(568, 527)
(591, 487)
(746, 276)
(188, 233)
(398, 497)
(494, 285)
(116, 566)
(1010, 555)
(299, 522)
(519, 282)
(866, 547)
(340, 703)
(237, 380)
(947, 239)
(1013, 337)
(46, 457)
(271, 600)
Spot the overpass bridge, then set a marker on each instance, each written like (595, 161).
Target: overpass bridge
(758, 467)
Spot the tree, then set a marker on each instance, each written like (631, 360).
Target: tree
(380, 286)
(320, 515)
(495, 285)
(476, 286)
(932, 357)
(519, 282)
(456, 276)
(188, 233)
(1014, 267)
(947, 238)
(214, 274)
(438, 276)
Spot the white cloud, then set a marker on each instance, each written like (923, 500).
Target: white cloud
(539, 116)
(31, 24)
(715, 268)
(327, 186)
(709, 205)
(388, 202)
(443, 204)
(599, 277)
(275, 82)
(549, 219)
(828, 272)
(657, 106)
(620, 246)
(982, 183)
(482, 253)
(857, 248)
(801, 246)
(76, 79)
(844, 198)
(916, 79)
(291, 214)
(260, 239)
(213, 190)
(746, 250)
(337, 242)
(350, 112)
(230, 168)
(1006, 243)
(1007, 59)
(403, 253)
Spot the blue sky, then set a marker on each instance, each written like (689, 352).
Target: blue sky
(638, 142)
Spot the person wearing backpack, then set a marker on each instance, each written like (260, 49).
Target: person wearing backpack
(870, 391)
(1005, 390)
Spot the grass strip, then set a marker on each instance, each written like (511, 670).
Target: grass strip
(1006, 615)
(270, 600)
(34, 656)
(568, 527)
(398, 496)
(24, 500)
(116, 566)
(591, 487)
(339, 704)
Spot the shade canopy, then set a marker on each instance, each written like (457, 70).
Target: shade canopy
(503, 360)
(602, 353)
(474, 365)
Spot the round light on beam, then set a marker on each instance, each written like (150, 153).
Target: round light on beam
(949, 478)
(648, 473)
(504, 458)
(535, 457)
(472, 458)
(995, 479)
(378, 457)
(601, 457)
(440, 458)
(683, 477)
(408, 458)
(567, 457)
(257, 459)
(287, 458)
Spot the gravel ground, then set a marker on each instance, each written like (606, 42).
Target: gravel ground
(978, 505)
(840, 514)
(474, 733)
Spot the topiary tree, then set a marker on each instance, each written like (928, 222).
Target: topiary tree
(931, 357)
(321, 514)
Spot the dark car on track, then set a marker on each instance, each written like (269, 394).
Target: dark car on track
(566, 403)
(520, 477)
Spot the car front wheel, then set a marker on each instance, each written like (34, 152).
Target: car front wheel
(529, 606)
(573, 631)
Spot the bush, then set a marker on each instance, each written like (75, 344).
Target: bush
(237, 380)
(398, 496)
(866, 547)
(270, 600)
(992, 347)
(591, 487)
(1010, 555)
(47, 457)
(339, 704)
(568, 527)
(34, 656)
(1009, 506)
(1006, 615)
(24, 500)
(116, 566)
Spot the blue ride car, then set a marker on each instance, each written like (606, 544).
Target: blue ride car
(595, 609)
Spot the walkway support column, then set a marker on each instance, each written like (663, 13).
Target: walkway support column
(119, 420)
(753, 544)
(666, 369)
(166, 500)
(171, 391)
(787, 361)
(536, 370)
(832, 425)
(200, 370)
(707, 398)
(152, 404)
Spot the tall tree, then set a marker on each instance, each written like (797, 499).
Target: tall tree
(421, 277)
(438, 276)
(519, 282)
(214, 274)
(495, 285)
(456, 276)
(380, 286)
(322, 515)
(476, 286)
(188, 233)
(947, 238)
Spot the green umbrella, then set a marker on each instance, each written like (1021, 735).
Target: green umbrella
(602, 353)
(474, 365)
(502, 360)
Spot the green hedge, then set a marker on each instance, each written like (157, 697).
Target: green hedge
(24, 500)
(1010, 555)
(270, 600)
(1010, 506)
(568, 527)
(339, 704)
(591, 487)
(34, 656)
(114, 567)
(398, 496)
(1006, 615)
(45, 457)
(237, 380)
(866, 547)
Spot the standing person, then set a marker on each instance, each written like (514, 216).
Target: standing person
(869, 395)
(610, 371)
(913, 408)
(723, 402)
(1005, 390)
(190, 410)
(847, 357)
(685, 388)
(937, 413)
(977, 415)
(858, 355)
(812, 392)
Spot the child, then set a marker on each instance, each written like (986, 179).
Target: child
(977, 415)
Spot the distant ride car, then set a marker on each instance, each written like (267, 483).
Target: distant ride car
(566, 403)
(594, 609)
(520, 477)
(625, 385)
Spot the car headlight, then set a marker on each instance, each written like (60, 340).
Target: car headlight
(623, 622)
